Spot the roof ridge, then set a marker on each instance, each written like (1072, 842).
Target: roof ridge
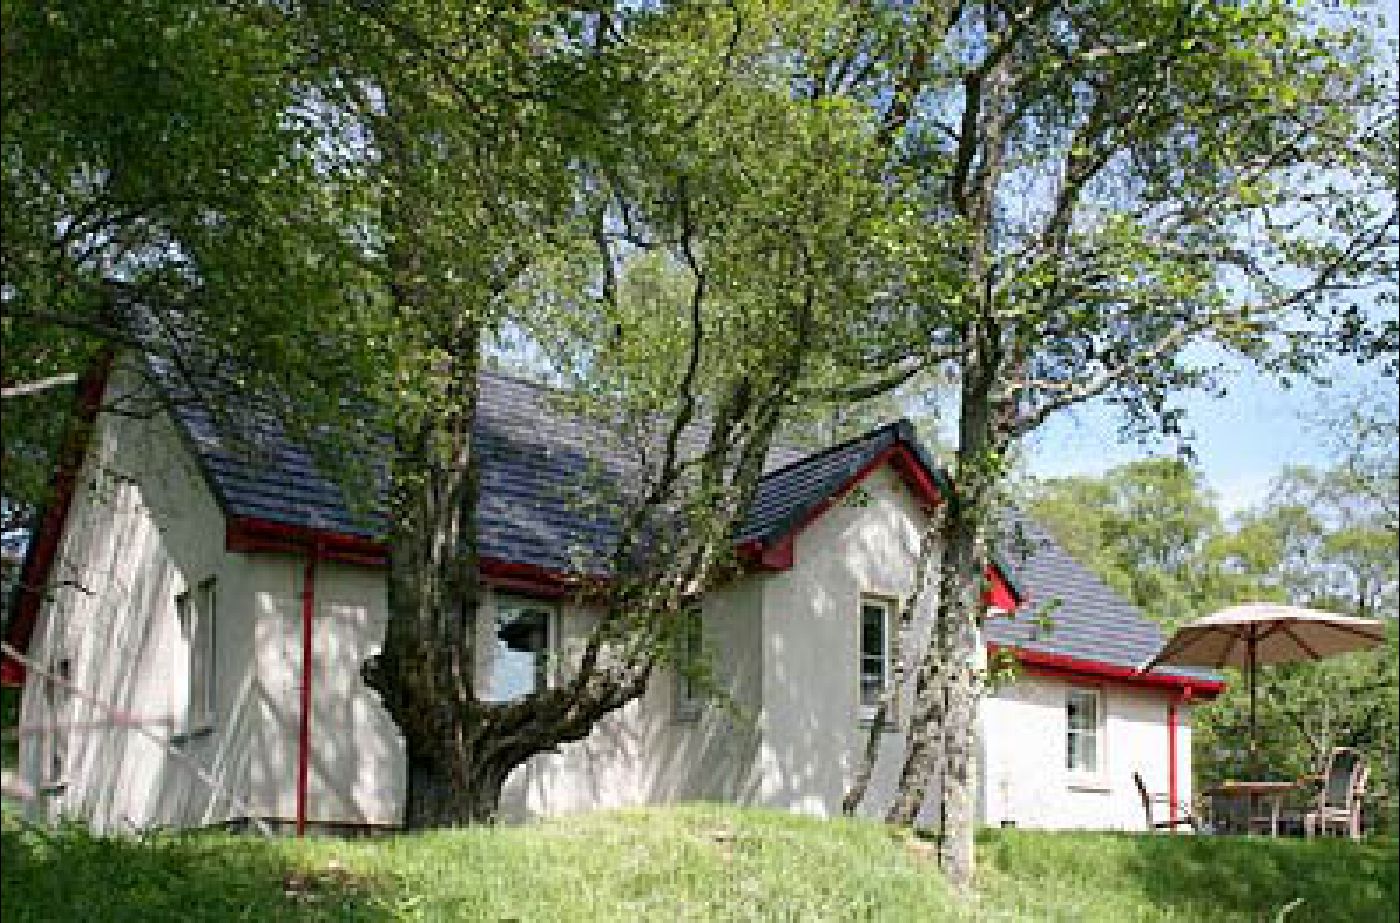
(896, 425)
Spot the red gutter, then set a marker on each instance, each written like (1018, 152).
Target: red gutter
(247, 533)
(38, 561)
(308, 610)
(1048, 664)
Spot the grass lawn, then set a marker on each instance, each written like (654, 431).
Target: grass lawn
(697, 862)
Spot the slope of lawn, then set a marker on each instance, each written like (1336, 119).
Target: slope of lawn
(697, 862)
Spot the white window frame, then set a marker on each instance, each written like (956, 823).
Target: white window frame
(690, 654)
(197, 611)
(545, 677)
(889, 608)
(1091, 776)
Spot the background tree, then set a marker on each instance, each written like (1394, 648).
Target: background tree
(1143, 527)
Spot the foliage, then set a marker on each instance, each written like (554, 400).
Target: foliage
(1143, 527)
(164, 188)
(686, 863)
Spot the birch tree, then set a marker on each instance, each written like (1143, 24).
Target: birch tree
(1139, 186)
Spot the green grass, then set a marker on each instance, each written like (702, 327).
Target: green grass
(696, 862)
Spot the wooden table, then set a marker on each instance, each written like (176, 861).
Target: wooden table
(1273, 789)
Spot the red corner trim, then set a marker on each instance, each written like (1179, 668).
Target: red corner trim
(999, 594)
(38, 561)
(1047, 664)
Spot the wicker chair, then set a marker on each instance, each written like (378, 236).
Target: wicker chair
(1339, 798)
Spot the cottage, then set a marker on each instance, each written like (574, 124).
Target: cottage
(183, 579)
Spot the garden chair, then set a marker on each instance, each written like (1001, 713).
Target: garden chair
(1185, 817)
(1339, 799)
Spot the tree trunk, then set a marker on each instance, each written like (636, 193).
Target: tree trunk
(950, 681)
(425, 671)
(928, 551)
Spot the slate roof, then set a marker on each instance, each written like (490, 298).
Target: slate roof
(1090, 622)
(542, 469)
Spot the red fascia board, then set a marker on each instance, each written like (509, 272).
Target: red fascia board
(247, 533)
(525, 578)
(38, 562)
(779, 556)
(1043, 663)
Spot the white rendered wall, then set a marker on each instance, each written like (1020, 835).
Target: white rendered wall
(812, 734)
(1025, 736)
(356, 764)
(648, 752)
(141, 529)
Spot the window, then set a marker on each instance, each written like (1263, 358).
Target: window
(690, 664)
(520, 648)
(1083, 710)
(197, 614)
(56, 701)
(874, 653)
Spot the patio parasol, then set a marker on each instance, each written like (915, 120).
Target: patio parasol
(1265, 633)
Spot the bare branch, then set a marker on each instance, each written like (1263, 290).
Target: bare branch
(35, 387)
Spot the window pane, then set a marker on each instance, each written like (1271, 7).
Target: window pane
(872, 631)
(691, 654)
(874, 665)
(202, 680)
(1082, 711)
(519, 658)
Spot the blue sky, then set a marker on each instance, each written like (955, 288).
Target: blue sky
(1242, 439)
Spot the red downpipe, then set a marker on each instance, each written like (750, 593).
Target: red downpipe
(1171, 750)
(308, 609)
(1171, 759)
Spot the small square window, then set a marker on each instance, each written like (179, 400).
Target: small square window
(520, 648)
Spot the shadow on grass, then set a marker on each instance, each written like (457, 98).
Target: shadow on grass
(68, 874)
(1216, 878)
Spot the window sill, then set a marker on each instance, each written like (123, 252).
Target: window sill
(1092, 784)
(180, 738)
(888, 726)
(687, 715)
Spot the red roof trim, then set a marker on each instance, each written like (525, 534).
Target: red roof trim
(1044, 663)
(38, 561)
(247, 533)
(779, 555)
